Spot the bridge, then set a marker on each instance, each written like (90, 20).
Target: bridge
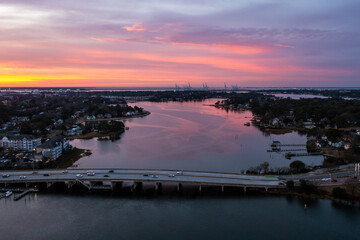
(90, 178)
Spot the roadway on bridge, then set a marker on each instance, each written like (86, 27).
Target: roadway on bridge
(210, 178)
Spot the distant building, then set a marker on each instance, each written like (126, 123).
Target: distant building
(75, 130)
(54, 147)
(309, 125)
(20, 142)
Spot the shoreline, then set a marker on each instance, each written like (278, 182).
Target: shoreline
(144, 114)
(91, 135)
(324, 195)
(69, 158)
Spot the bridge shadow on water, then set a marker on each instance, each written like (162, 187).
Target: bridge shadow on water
(147, 190)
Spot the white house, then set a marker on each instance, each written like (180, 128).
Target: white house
(53, 147)
(20, 142)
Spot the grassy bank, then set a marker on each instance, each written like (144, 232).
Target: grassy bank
(68, 158)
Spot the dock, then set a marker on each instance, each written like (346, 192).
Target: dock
(22, 192)
(287, 150)
(21, 195)
(288, 155)
(287, 145)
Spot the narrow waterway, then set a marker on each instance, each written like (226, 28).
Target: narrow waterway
(190, 136)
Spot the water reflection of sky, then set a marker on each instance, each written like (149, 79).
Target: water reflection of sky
(192, 136)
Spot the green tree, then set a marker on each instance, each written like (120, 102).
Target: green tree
(297, 165)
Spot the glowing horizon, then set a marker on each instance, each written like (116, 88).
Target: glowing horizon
(147, 44)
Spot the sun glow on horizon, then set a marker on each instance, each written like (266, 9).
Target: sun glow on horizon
(114, 44)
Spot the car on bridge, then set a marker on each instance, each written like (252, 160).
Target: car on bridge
(79, 175)
(22, 177)
(5, 175)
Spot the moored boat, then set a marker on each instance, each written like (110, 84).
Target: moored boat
(8, 194)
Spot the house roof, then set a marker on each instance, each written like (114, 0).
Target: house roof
(19, 136)
(53, 142)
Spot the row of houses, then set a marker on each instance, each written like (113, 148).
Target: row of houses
(52, 148)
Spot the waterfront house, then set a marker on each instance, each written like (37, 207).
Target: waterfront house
(54, 147)
(309, 125)
(75, 130)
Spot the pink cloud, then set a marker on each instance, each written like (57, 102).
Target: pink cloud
(137, 27)
(284, 46)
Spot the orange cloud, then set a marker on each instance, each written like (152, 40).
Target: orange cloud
(137, 27)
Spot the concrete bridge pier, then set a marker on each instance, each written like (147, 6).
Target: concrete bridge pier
(179, 187)
(69, 184)
(158, 187)
(266, 188)
(49, 184)
(222, 188)
(112, 185)
(200, 188)
(136, 186)
(244, 189)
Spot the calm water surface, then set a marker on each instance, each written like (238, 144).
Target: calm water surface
(47, 216)
(189, 136)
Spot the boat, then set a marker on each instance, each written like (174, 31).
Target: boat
(8, 194)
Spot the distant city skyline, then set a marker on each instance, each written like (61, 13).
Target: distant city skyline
(162, 43)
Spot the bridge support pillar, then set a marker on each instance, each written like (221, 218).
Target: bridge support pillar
(244, 189)
(137, 185)
(49, 184)
(222, 188)
(266, 188)
(68, 184)
(179, 187)
(158, 187)
(200, 188)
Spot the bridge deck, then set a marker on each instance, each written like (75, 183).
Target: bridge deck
(211, 178)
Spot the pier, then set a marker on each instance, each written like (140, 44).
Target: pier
(287, 145)
(24, 193)
(288, 150)
(288, 155)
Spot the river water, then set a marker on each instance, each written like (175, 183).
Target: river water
(61, 216)
(190, 136)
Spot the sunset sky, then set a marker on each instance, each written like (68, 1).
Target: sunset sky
(162, 43)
